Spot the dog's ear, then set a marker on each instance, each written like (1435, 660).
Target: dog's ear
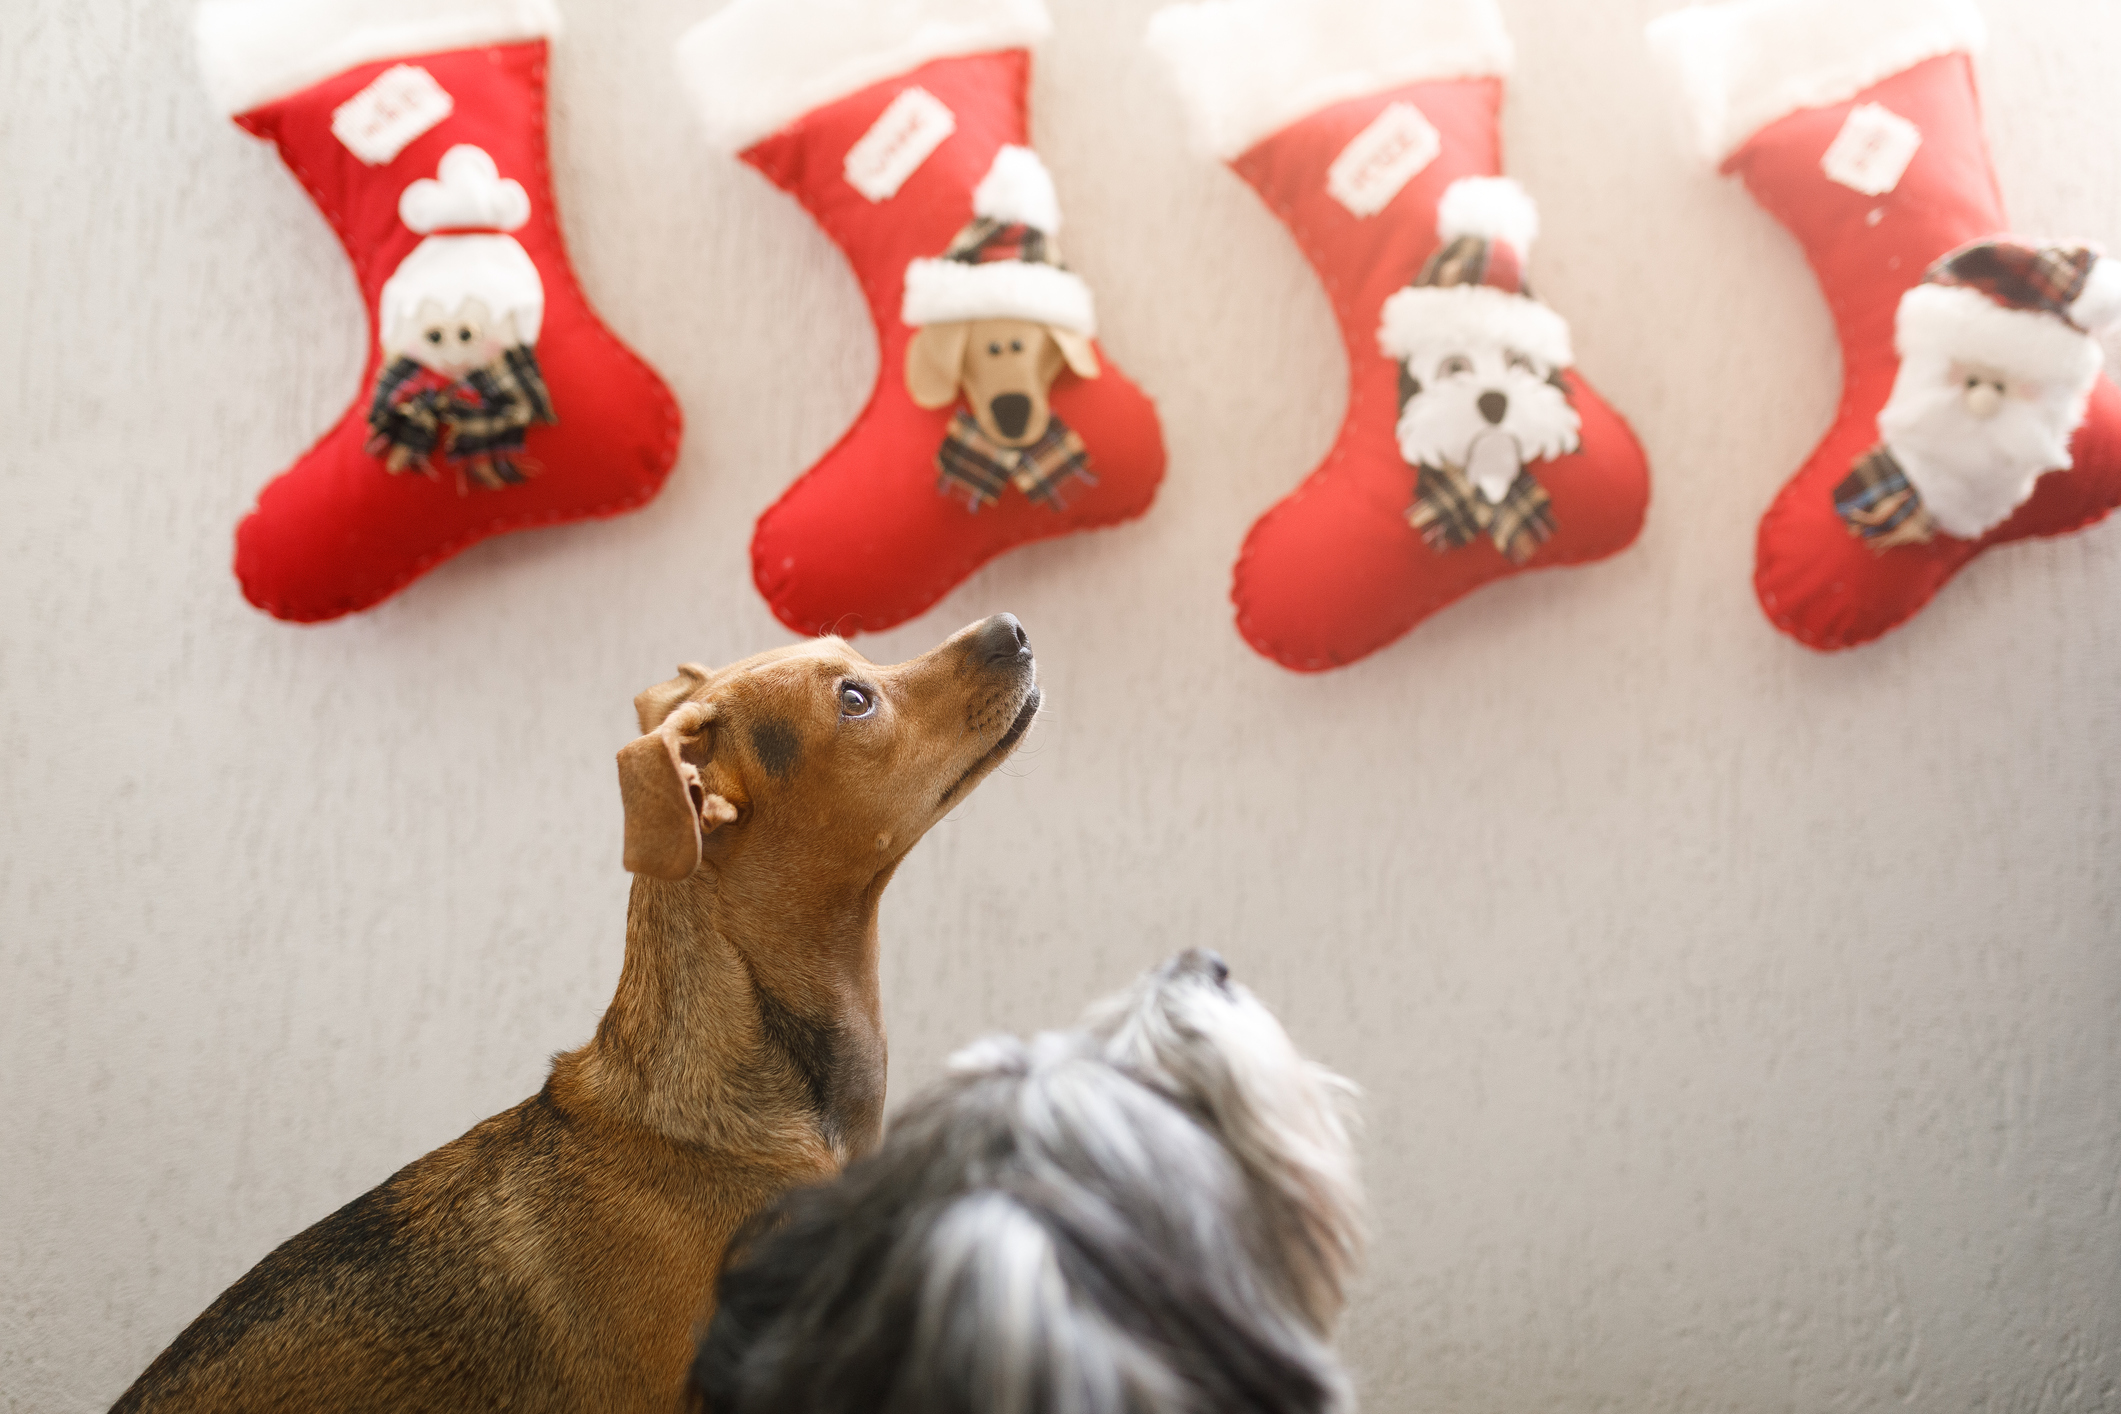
(935, 363)
(669, 811)
(658, 702)
(1077, 349)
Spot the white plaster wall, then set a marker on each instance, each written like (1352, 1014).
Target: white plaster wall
(1741, 1027)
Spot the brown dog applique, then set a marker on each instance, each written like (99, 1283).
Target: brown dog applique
(997, 318)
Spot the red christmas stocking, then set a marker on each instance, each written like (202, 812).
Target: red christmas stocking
(995, 419)
(1972, 410)
(494, 398)
(1471, 450)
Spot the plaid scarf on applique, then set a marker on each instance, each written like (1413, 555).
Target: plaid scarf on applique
(1879, 506)
(478, 423)
(1449, 511)
(974, 463)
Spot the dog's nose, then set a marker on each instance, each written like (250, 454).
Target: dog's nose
(1202, 962)
(1002, 640)
(1493, 405)
(1011, 412)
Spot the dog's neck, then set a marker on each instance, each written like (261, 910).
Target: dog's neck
(747, 1018)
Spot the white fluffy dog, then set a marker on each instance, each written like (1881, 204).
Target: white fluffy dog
(1480, 359)
(1484, 408)
(1155, 1211)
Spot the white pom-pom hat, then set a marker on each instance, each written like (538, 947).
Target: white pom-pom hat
(1005, 264)
(473, 207)
(1472, 292)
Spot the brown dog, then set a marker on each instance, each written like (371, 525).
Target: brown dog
(1005, 367)
(561, 1255)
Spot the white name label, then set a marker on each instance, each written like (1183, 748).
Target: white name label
(1382, 158)
(897, 143)
(1872, 149)
(403, 102)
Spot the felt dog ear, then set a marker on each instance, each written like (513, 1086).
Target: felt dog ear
(935, 363)
(669, 811)
(1077, 349)
(658, 702)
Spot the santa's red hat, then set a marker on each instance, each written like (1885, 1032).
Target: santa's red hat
(2027, 311)
(1471, 293)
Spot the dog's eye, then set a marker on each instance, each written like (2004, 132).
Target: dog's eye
(1016, 346)
(995, 349)
(1520, 362)
(434, 336)
(1453, 366)
(856, 701)
(463, 334)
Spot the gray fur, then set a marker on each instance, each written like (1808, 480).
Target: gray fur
(1156, 1211)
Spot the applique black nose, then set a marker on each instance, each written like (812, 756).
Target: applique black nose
(1493, 405)
(1002, 640)
(1011, 412)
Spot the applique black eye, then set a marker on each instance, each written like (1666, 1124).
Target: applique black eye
(463, 334)
(1016, 346)
(1453, 366)
(434, 336)
(856, 701)
(994, 350)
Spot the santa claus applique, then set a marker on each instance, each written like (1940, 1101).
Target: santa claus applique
(1482, 400)
(1997, 360)
(459, 325)
(997, 318)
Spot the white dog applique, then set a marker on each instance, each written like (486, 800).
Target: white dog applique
(1481, 392)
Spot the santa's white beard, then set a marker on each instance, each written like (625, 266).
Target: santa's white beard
(1443, 425)
(1972, 472)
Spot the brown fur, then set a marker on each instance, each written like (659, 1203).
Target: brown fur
(561, 1255)
(990, 358)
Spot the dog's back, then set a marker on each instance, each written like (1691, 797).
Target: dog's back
(454, 1285)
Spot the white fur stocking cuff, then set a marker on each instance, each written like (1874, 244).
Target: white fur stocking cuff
(1246, 69)
(758, 65)
(1744, 64)
(252, 52)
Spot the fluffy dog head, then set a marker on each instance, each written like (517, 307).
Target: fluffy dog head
(1480, 359)
(1153, 1211)
(1485, 408)
(1207, 1044)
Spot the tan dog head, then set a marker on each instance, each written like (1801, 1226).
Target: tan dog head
(1005, 367)
(811, 758)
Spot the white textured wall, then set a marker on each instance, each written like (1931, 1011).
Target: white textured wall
(1742, 1027)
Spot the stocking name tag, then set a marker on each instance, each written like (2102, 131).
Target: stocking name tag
(897, 143)
(402, 102)
(1872, 150)
(1382, 158)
